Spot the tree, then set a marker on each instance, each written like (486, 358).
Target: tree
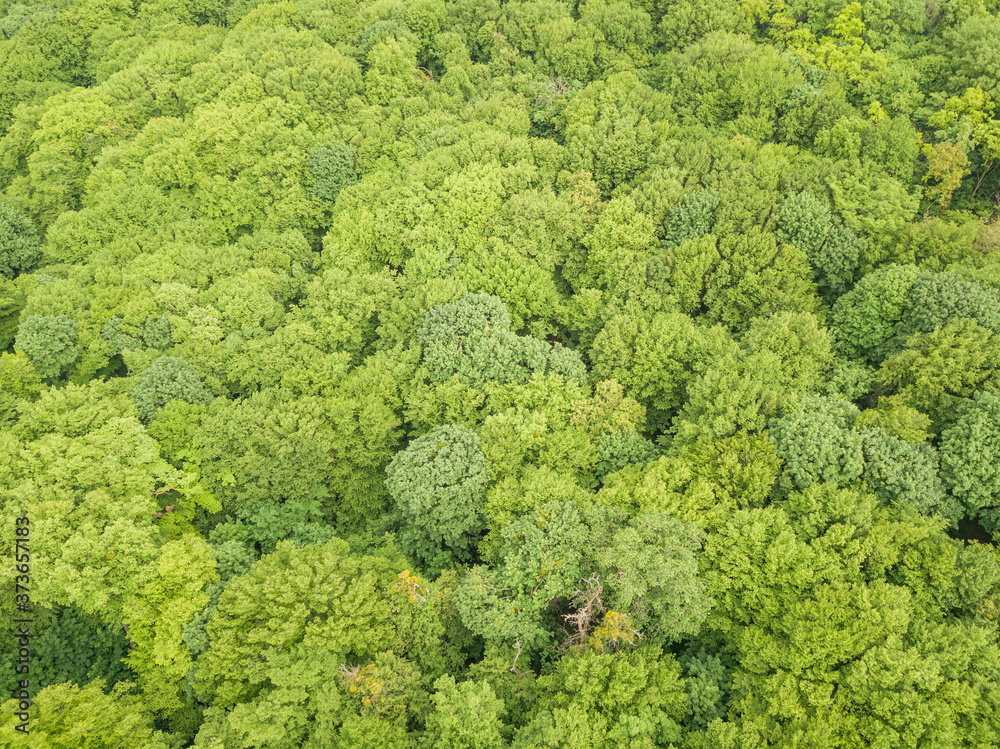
(832, 249)
(972, 44)
(280, 463)
(268, 460)
(19, 242)
(707, 682)
(439, 483)
(651, 573)
(756, 275)
(465, 716)
(817, 443)
(68, 715)
(156, 617)
(303, 706)
(97, 502)
(936, 298)
(899, 472)
(970, 458)
(621, 449)
(694, 217)
(19, 382)
(50, 341)
(947, 164)
(633, 699)
(587, 559)
(166, 379)
(389, 688)
(332, 166)
(936, 370)
(655, 360)
(471, 338)
(865, 318)
(799, 345)
(70, 645)
(334, 609)
(542, 557)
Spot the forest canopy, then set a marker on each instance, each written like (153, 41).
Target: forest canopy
(472, 374)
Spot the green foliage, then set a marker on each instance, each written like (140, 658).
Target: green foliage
(19, 242)
(707, 681)
(865, 318)
(898, 419)
(67, 715)
(50, 341)
(333, 169)
(970, 456)
(936, 298)
(97, 509)
(19, 381)
(471, 338)
(157, 616)
(693, 218)
(656, 360)
(543, 555)
(935, 371)
(234, 438)
(592, 560)
(439, 482)
(74, 646)
(757, 276)
(280, 464)
(593, 328)
(900, 472)
(465, 716)
(817, 443)
(621, 449)
(166, 379)
(832, 249)
(346, 617)
(651, 573)
(635, 699)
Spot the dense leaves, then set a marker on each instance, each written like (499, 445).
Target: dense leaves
(500, 373)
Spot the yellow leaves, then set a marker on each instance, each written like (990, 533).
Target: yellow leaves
(989, 607)
(947, 164)
(411, 586)
(614, 630)
(364, 682)
(110, 555)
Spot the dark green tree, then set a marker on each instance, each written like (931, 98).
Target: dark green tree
(439, 484)
(471, 338)
(164, 380)
(817, 443)
(694, 217)
(866, 318)
(900, 472)
(332, 168)
(50, 341)
(970, 458)
(832, 249)
(19, 242)
(936, 298)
